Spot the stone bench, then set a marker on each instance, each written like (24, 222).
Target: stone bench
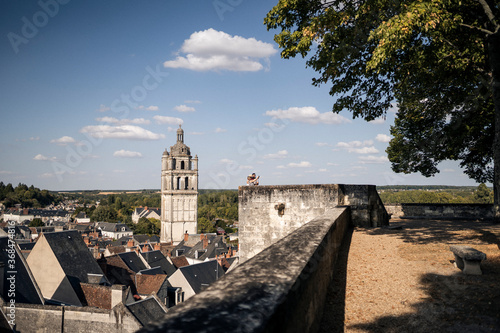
(468, 259)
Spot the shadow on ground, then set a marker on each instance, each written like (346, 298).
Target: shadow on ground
(451, 303)
(443, 231)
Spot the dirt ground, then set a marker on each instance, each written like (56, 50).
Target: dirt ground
(404, 280)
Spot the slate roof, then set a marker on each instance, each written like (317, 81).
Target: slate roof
(151, 271)
(112, 227)
(157, 259)
(203, 274)
(147, 310)
(132, 260)
(73, 256)
(26, 288)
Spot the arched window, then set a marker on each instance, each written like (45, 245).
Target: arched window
(182, 165)
(178, 183)
(186, 182)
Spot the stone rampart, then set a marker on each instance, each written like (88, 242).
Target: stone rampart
(441, 211)
(269, 213)
(281, 289)
(49, 318)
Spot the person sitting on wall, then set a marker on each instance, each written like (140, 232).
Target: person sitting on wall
(253, 179)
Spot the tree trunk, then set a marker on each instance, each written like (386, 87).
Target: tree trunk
(494, 59)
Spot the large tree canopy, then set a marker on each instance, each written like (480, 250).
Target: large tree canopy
(438, 59)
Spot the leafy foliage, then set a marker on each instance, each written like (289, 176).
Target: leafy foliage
(26, 196)
(438, 59)
(36, 222)
(482, 194)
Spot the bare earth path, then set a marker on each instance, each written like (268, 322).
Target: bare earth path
(403, 280)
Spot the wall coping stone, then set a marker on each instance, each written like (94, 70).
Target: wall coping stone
(256, 295)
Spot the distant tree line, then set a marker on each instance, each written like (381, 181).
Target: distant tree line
(482, 194)
(27, 197)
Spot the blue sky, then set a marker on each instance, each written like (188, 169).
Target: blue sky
(93, 91)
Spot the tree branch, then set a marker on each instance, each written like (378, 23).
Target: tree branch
(488, 32)
(489, 12)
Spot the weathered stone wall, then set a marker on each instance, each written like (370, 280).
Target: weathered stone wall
(47, 318)
(269, 213)
(281, 289)
(441, 211)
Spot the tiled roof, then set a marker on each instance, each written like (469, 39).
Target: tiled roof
(147, 284)
(180, 261)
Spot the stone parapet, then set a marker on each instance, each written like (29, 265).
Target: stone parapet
(281, 289)
(441, 211)
(269, 213)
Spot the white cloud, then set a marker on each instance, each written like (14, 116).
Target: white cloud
(307, 114)
(121, 132)
(168, 120)
(63, 141)
(220, 130)
(383, 138)
(111, 120)
(192, 102)
(184, 108)
(216, 50)
(279, 155)
(373, 159)
(148, 108)
(103, 108)
(127, 154)
(378, 121)
(322, 144)
(322, 170)
(34, 138)
(41, 157)
(364, 150)
(303, 164)
(358, 147)
(332, 164)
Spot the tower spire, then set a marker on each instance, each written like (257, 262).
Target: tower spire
(180, 134)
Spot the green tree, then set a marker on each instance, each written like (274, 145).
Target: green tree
(438, 59)
(36, 222)
(149, 226)
(483, 194)
(104, 214)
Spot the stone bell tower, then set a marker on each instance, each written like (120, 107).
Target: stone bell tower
(179, 192)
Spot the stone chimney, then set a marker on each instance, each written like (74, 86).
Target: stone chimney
(117, 294)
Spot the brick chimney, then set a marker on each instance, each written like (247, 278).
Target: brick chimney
(145, 248)
(202, 236)
(157, 247)
(130, 243)
(205, 242)
(186, 237)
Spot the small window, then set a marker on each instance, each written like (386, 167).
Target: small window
(182, 165)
